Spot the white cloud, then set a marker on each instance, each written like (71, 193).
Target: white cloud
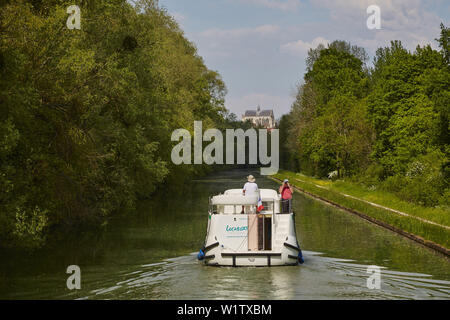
(405, 20)
(286, 5)
(237, 43)
(264, 30)
(300, 48)
(260, 63)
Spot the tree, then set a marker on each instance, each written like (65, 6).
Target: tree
(87, 115)
(327, 120)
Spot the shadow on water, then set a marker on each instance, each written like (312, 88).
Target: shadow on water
(151, 255)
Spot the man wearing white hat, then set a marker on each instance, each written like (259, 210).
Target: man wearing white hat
(250, 188)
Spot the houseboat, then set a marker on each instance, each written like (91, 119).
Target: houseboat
(247, 230)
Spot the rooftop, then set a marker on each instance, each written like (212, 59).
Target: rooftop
(258, 113)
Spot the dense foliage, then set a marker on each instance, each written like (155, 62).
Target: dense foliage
(87, 115)
(385, 126)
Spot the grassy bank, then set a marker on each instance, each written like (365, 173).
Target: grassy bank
(429, 224)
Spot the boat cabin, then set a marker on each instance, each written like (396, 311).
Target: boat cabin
(258, 225)
(249, 230)
(233, 202)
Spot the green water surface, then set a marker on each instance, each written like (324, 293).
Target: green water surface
(151, 254)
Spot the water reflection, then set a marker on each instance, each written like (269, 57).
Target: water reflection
(149, 255)
(320, 278)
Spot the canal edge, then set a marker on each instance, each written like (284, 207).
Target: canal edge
(427, 243)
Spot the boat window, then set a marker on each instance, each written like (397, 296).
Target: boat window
(249, 209)
(233, 209)
(268, 206)
(219, 209)
(229, 209)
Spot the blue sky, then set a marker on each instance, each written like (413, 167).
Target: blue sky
(259, 46)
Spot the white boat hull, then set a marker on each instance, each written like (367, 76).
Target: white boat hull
(227, 242)
(270, 258)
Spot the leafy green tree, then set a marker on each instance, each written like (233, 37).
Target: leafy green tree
(327, 119)
(87, 115)
(386, 125)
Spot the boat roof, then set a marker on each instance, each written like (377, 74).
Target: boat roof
(234, 200)
(235, 197)
(265, 193)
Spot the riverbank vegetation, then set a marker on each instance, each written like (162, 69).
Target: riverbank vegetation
(428, 223)
(358, 134)
(384, 127)
(87, 115)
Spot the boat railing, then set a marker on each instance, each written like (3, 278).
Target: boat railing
(244, 208)
(283, 202)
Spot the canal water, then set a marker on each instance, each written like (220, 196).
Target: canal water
(151, 254)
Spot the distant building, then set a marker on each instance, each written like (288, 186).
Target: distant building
(264, 118)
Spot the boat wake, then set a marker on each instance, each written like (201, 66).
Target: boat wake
(320, 277)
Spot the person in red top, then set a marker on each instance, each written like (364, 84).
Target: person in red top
(286, 192)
